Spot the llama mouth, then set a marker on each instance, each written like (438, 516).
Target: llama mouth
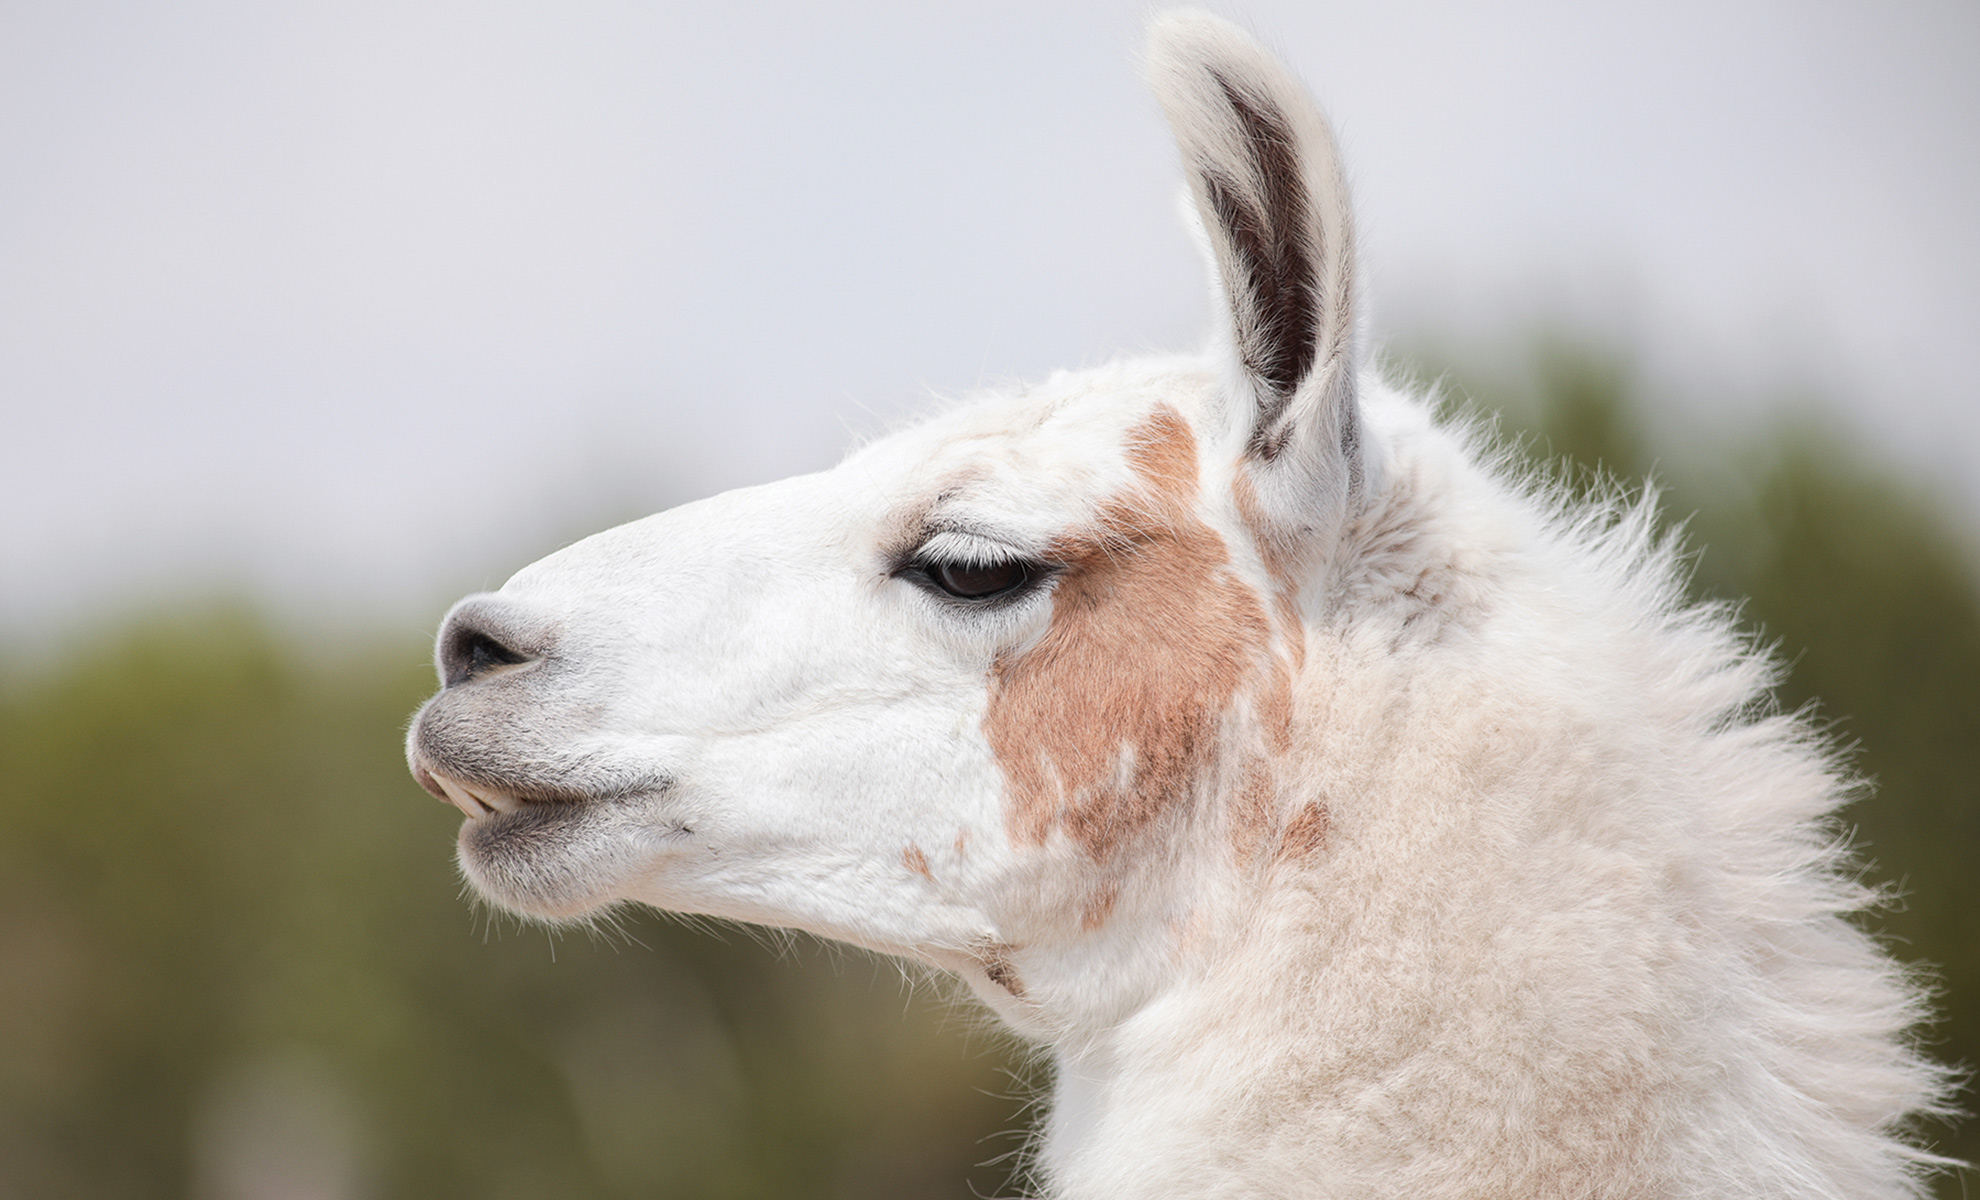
(480, 800)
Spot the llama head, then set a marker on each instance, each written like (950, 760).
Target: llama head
(963, 695)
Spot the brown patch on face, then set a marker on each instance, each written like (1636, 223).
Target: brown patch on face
(916, 861)
(1306, 834)
(962, 841)
(1112, 718)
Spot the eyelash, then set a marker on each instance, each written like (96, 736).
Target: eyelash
(935, 575)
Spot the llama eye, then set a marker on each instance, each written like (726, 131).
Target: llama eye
(979, 582)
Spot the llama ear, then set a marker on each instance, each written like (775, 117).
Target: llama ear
(1266, 181)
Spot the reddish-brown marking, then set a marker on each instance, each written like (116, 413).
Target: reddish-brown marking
(996, 960)
(962, 841)
(1286, 605)
(1151, 638)
(1252, 811)
(916, 861)
(1099, 904)
(1282, 563)
(1275, 705)
(1305, 834)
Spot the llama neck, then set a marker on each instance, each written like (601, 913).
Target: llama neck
(1333, 1031)
(1433, 977)
(1505, 976)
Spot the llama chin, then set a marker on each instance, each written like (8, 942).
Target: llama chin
(1345, 816)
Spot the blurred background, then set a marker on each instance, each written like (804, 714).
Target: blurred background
(315, 316)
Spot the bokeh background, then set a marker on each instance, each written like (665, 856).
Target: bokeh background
(314, 316)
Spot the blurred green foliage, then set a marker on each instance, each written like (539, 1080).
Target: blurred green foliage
(235, 959)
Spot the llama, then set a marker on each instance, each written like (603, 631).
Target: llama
(1345, 814)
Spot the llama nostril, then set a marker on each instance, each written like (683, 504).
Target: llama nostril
(472, 645)
(484, 652)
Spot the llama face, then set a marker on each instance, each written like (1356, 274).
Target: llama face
(977, 688)
(937, 699)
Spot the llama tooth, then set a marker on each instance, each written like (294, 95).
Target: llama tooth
(493, 801)
(469, 806)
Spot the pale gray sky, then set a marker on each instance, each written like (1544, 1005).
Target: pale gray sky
(354, 305)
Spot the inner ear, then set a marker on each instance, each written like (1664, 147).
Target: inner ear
(1266, 258)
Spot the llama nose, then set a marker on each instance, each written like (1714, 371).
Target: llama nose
(482, 638)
